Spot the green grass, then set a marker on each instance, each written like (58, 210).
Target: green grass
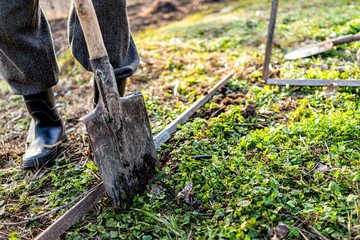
(264, 167)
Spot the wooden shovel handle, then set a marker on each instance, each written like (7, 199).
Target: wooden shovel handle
(357, 37)
(90, 26)
(346, 39)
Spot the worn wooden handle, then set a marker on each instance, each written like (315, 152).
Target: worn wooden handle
(90, 26)
(345, 39)
(357, 37)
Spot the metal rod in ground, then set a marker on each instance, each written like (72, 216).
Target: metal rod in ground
(202, 157)
(313, 82)
(165, 135)
(270, 39)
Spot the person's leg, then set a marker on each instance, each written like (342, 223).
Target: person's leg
(112, 16)
(49, 129)
(28, 64)
(27, 58)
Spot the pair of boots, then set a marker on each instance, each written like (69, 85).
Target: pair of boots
(48, 131)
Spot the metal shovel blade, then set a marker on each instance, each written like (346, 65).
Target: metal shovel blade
(321, 47)
(121, 139)
(309, 51)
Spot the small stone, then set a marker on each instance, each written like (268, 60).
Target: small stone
(281, 231)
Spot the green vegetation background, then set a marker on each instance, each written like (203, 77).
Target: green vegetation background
(265, 167)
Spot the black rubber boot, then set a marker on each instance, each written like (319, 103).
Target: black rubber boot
(121, 83)
(49, 129)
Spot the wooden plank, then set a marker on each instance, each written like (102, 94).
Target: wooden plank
(270, 39)
(56, 229)
(165, 135)
(313, 82)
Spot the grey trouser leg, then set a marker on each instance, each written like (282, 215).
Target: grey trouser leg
(27, 60)
(112, 16)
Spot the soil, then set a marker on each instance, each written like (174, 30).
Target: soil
(225, 97)
(160, 12)
(287, 105)
(249, 111)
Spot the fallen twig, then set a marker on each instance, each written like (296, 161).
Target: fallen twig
(302, 234)
(307, 146)
(19, 116)
(318, 233)
(5, 235)
(327, 147)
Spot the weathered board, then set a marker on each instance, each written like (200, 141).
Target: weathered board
(76, 212)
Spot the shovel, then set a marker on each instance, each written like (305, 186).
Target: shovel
(119, 127)
(320, 47)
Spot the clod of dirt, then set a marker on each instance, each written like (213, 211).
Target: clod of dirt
(274, 73)
(286, 105)
(226, 10)
(209, 1)
(163, 7)
(280, 232)
(321, 168)
(233, 99)
(210, 113)
(223, 98)
(223, 90)
(156, 191)
(249, 111)
(322, 66)
(330, 90)
(186, 193)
